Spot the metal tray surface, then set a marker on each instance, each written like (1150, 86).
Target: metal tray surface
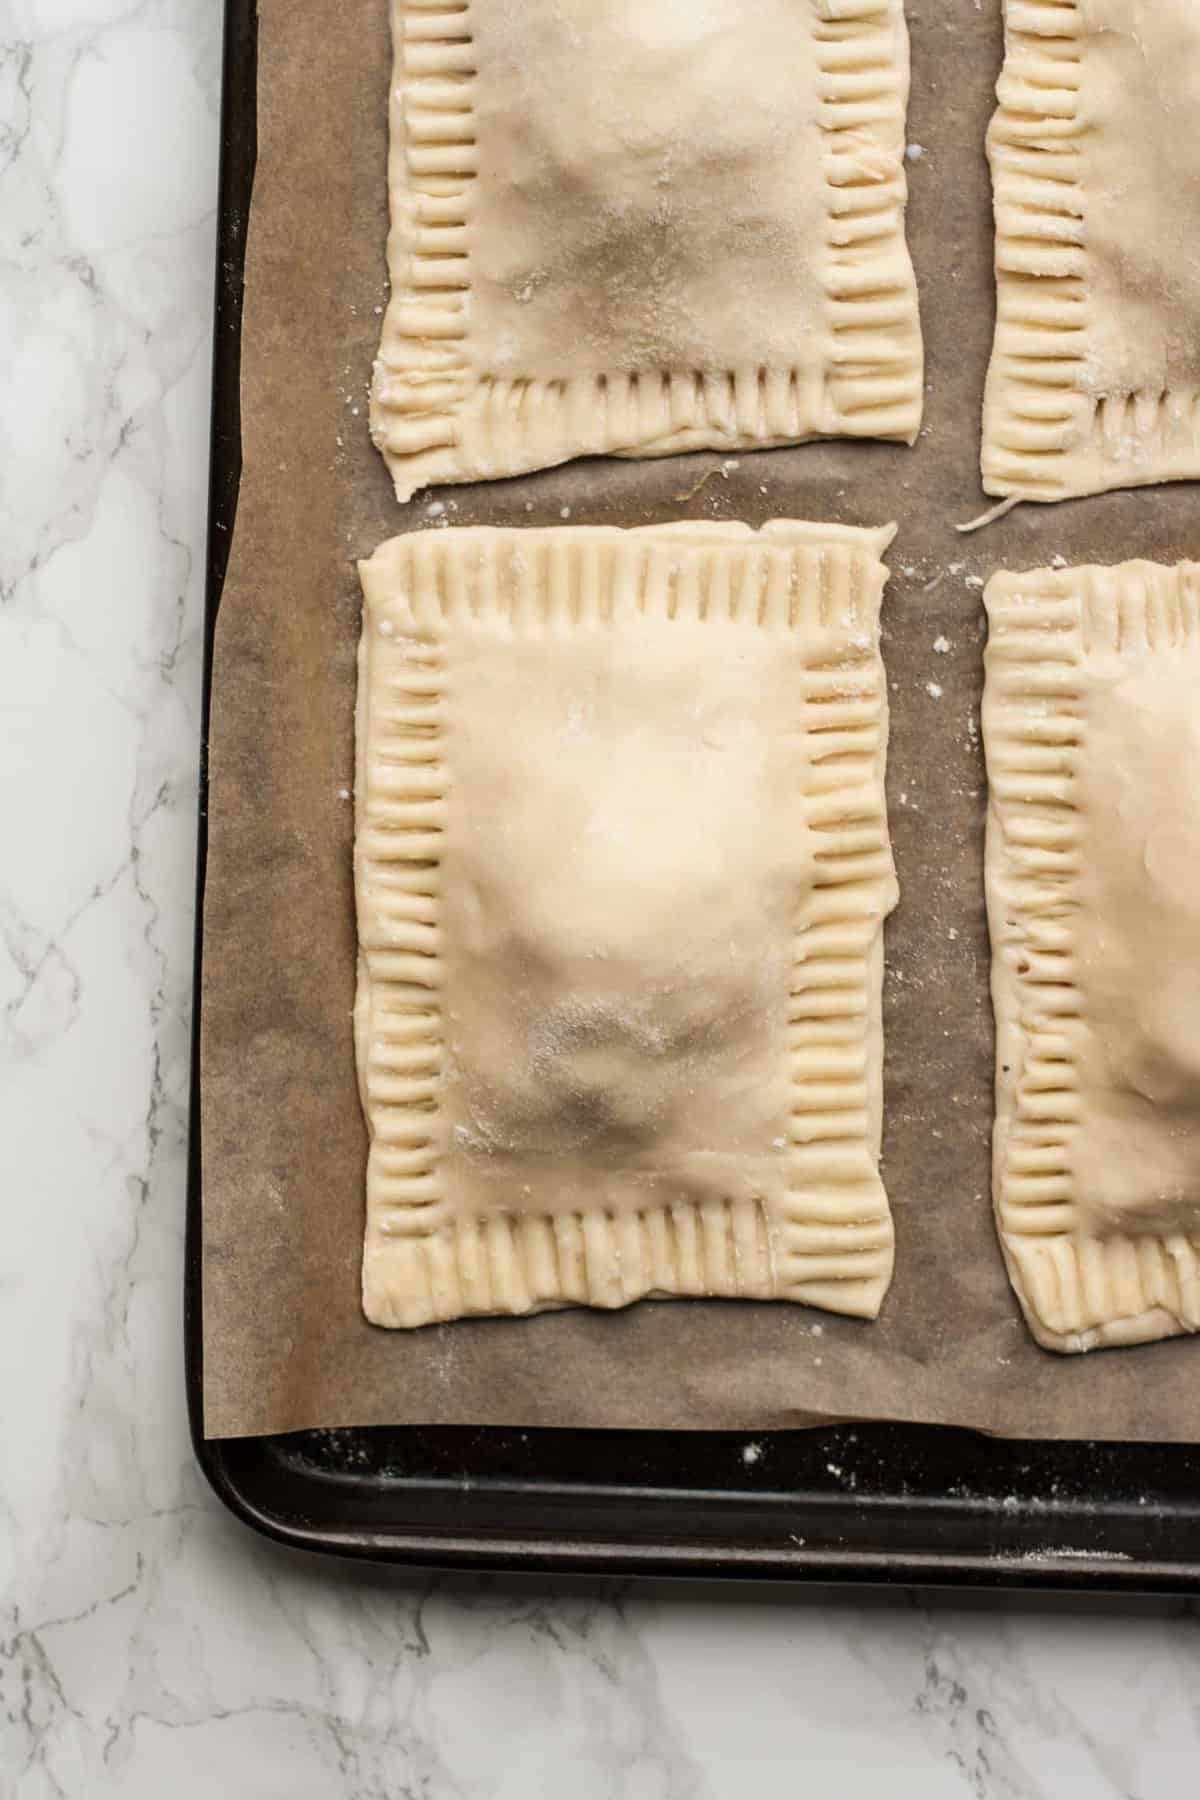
(863, 1503)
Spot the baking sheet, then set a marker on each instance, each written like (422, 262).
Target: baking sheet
(285, 1343)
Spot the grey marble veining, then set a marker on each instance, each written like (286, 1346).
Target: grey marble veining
(149, 1647)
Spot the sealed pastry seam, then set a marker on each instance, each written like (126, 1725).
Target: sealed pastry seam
(444, 409)
(443, 1241)
(1083, 1283)
(1059, 418)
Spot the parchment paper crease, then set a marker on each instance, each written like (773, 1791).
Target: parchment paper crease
(285, 1342)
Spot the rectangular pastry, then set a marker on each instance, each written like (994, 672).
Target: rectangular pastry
(642, 228)
(1093, 883)
(622, 865)
(1095, 151)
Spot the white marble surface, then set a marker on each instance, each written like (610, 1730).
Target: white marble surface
(149, 1646)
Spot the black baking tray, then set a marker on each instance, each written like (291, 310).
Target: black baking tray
(850, 1503)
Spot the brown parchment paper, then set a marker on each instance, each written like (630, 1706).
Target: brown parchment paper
(285, 1342)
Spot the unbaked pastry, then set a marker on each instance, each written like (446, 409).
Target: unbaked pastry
(1095, 151)
(1093, 867)
(622, 865)
(643, 226)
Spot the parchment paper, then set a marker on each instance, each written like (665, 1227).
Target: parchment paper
(285, 1342)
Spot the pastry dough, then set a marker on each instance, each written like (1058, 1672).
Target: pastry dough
(622, 865)
(1093, 866)
(1095, 150)
(643, 226)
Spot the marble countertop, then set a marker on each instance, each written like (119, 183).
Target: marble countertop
(150, 1646)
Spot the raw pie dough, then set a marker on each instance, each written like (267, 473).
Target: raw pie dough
(622, 865)
(1095, 150)
(1093, 865)
(643, 226)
